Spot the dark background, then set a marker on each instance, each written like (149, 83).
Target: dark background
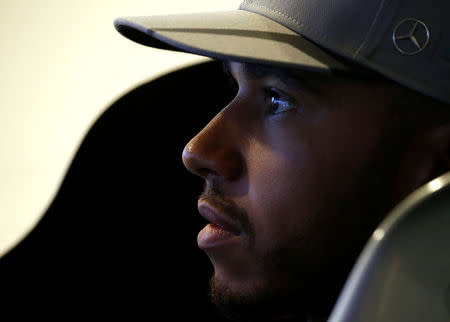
(119, 238)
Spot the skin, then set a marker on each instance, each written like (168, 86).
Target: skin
(303, 166)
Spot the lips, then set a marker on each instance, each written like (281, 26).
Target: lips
(219, 231)
(215, 217)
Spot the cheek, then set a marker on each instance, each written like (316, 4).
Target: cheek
(298, 179)
(283, 193)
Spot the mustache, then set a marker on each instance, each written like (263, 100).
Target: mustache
(213, 194)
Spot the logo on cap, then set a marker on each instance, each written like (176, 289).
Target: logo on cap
(410, 36)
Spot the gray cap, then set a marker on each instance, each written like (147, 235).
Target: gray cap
(407, 41)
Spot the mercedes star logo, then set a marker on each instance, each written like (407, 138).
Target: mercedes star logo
(410, 36)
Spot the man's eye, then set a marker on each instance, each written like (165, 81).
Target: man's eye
(278, 103)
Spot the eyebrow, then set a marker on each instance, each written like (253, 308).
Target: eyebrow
(298, 78)
(289, 76)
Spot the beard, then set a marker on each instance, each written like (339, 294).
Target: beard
(261, 305)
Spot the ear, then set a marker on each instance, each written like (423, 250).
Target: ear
(426, 156)
(440, 142)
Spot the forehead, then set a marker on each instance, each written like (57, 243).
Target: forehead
(257, 71)
(291, 78)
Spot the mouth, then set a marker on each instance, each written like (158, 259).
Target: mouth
(219, 231)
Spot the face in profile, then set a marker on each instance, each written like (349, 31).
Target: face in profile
(297, 169)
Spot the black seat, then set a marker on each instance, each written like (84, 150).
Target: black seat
(119, 238)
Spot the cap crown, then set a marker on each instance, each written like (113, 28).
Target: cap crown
(405, 40)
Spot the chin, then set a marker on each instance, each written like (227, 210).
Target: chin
(255, 305)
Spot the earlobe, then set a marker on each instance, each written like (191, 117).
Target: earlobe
(432, 147)
(425, 156)
(440, 141)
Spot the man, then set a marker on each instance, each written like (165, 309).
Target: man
(341, 111)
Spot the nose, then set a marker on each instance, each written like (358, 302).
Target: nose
(216, 150)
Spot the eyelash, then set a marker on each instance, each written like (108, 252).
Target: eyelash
(277, 102)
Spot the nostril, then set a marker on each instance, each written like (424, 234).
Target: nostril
(195, 164)
(206, 172)
(221, 162)
(203, 172)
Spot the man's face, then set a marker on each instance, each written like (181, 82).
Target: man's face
(296, 168)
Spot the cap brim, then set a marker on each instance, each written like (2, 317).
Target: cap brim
(229, 35)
